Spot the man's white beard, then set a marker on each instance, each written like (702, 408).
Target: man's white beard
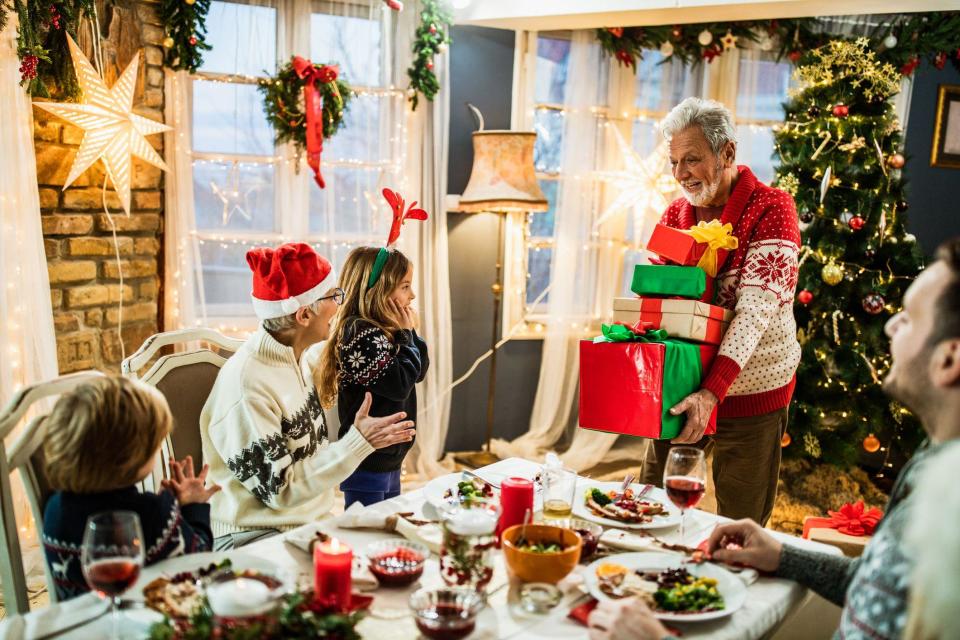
(707, 193)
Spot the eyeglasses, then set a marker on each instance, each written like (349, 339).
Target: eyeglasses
(338, 296)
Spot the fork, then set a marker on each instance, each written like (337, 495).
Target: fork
(627, 479)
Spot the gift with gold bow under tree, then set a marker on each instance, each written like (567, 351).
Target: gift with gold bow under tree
(631, 377)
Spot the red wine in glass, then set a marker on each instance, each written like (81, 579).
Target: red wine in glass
(684, 492)
(110, 577)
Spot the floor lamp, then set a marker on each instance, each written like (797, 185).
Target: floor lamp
(502, 180)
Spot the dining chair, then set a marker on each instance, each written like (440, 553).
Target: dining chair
(25, 455)
(185, 377)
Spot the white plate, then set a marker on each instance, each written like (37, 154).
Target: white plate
(670, 519)
(434, 490)
(732, 588)
(195, 561)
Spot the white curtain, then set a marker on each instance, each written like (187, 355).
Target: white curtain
(425, 174)
(26, 331)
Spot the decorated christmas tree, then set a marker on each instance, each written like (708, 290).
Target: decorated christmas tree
(840, 157)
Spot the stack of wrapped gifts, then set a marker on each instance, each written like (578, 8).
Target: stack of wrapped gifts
(662, 341)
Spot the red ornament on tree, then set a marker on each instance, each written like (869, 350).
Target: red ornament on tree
(624, 57)
(856, 223)
(940, 60)
(873, 303)
(192, 41)
(712, 52)
(841, 111)
(896, 161)
(871, 443)
(804, 297)
(794, 56)
(677, 31)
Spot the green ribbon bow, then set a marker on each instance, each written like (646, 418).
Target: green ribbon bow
(682, 369)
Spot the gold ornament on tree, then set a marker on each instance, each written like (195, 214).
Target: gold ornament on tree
(832, 273)
(111, 131)
(871, 444)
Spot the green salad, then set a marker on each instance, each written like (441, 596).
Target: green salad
(688, 594)
(541, 547)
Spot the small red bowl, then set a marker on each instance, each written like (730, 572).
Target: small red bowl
(397, 563)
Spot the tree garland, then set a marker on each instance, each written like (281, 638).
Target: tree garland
(431, 38)
(904, 42)
(185, 25)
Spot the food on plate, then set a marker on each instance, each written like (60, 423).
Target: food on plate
(468, 490)
(667, 591)
(622, 507)
(179, 595)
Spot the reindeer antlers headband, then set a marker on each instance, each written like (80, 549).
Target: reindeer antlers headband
(396, 203)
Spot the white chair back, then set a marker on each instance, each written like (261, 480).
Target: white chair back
(185, 378)
(26, 456)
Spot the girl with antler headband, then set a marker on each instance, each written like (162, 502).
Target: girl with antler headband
(374, 347)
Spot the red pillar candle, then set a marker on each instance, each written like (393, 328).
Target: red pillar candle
(516, 496)
(332, 562)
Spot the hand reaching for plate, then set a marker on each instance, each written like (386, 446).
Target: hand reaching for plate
(745, 542)
(628, 619)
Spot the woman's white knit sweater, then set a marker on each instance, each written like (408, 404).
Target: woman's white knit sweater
(265, 438)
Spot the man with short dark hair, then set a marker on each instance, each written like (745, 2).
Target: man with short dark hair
(924, 376)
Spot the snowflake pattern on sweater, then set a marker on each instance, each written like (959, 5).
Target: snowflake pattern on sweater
(366, 356)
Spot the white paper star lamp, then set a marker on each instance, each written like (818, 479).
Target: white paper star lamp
(111, 132)
(643, 183)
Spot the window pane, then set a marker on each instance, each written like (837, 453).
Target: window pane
(229, 118)
(755, 148)
(542, 224)
(236, 197)
(359, 138)
(226, 276)
(346, 206)
(548, 124)
(662, 84)
(553, 55)
(762, 86)
(352, 43)
(646, 136)
(538, 273)
(243, 37)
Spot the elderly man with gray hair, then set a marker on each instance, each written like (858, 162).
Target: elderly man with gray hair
(754, 373)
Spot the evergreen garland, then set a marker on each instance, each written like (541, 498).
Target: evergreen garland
(914, 36)
(186, 29)
(283, 105)
(432, 37)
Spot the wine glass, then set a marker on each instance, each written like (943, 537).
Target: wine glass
(111, 557)
(685, 479)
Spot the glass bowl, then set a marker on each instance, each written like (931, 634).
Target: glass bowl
(396, 563)
(589, 532)
(446, 614)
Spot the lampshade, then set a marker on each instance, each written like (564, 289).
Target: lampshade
(503, 177)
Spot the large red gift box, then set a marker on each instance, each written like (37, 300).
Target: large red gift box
(622, 389)
(688, 319)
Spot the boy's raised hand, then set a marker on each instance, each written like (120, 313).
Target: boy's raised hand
(188, 487)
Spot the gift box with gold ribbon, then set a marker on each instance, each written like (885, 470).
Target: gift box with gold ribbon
(705, 245)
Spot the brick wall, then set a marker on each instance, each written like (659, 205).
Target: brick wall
(84, 275)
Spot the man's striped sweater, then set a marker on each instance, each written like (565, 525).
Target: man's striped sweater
(755, 370)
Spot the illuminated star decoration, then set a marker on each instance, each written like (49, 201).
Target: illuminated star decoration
(643, 184)
(234, 199)
(111, 132)
(729, 41)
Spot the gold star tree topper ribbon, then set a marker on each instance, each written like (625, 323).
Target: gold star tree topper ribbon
(111, 131)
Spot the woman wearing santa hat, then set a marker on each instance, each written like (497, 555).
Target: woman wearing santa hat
(264, 433)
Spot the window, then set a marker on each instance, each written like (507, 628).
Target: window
(247, 192)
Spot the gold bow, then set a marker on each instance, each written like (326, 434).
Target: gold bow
(717, 236)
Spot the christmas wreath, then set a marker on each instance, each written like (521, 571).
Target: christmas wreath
(306, 104)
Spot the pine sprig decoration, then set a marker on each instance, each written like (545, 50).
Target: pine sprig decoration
(283, 104)
(432, 37)
(300, 616)
(46, 69)
(185, 25)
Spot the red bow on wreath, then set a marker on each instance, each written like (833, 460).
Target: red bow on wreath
(313, 105)
(855, 519)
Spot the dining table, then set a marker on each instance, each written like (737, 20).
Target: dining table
(769, 600)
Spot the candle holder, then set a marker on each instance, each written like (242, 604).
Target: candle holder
(242, 595)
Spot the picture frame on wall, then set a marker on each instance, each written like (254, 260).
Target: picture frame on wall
(946, 128)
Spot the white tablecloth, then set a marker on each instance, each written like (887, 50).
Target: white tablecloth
(769, 600)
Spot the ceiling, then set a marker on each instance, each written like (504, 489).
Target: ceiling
(548, 15)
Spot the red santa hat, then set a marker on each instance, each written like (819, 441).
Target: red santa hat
(287, 278)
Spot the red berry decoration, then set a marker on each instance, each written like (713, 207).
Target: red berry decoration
(28, 67)
(617, 32)
(430, 64)
(433, 29)
(909, 66)
(192, 41)
(896, 161)
(856, 223)
(327, 73)
(873, 303)
(841, 111)
(804, 297)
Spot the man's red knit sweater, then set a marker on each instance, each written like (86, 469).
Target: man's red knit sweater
(755, 370)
